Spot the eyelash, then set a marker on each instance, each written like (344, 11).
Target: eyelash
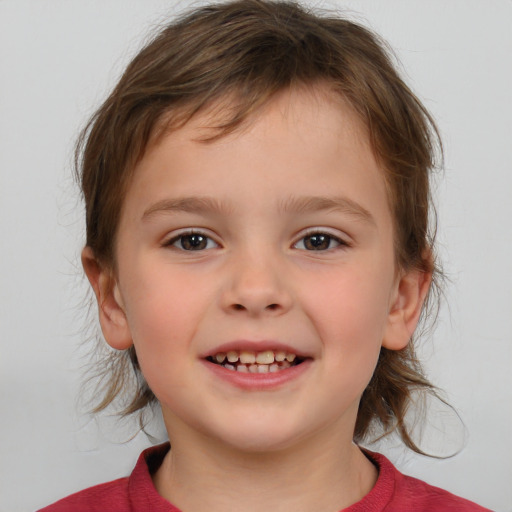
(202, 238)
(188, 235)
(341, 244)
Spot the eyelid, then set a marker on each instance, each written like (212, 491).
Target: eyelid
(173, 237)
(336, 235)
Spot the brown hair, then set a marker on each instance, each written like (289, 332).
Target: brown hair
(250, 50)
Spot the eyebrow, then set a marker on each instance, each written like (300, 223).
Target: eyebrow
(341, 204)
(294, 205)
(187, 204)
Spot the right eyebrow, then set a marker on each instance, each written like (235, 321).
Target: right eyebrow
(192, 204)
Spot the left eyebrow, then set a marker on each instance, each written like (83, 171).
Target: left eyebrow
(311, 204)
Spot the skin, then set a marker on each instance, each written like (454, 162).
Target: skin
(257, 279)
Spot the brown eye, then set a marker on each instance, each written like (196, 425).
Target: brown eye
(318, 242)
(192, 242)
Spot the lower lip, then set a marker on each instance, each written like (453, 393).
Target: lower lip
(259, 381)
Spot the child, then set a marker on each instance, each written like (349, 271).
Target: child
(258, 240)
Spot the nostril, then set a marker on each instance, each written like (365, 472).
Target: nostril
(254, 309)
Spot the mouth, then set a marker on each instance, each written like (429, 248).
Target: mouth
(266, 361)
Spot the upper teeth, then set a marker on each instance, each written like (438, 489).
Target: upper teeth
(247, 357)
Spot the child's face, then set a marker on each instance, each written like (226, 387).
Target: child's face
(291, 251)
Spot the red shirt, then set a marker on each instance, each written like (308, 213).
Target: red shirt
(393, 492)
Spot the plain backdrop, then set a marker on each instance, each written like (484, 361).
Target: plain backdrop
(58, 60)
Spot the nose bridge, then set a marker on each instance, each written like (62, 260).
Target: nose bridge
(257, 282)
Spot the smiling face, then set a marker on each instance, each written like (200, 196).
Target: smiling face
(274, 242)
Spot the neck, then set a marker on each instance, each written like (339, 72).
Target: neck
(324, 474)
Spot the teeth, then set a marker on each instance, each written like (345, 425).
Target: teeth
(220, 357)
(247, 357)
(255, 362)
(232, 356)
(266, 357)
(280, 356)
(253, 368)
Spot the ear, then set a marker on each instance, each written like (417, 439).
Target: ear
(113, 320)
(407, 301)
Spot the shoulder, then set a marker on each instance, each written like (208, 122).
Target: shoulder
(133, 493)
(409, 493)
(112, 496)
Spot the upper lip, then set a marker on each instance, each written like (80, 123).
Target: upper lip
(254, 346)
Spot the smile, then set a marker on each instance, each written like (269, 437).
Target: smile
(267, 361)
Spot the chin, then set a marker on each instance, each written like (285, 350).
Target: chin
(261, 437)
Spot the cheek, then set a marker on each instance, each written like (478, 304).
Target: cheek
(351, 306)
(350, 316)
(162, 300)
(163, 314)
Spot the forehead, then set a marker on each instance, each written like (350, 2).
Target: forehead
(234, 113)
(301, 135)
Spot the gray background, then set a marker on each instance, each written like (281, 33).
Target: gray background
(58, 60)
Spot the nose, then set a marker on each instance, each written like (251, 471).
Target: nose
(256, 286)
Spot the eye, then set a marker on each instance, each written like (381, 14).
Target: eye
(319, 242)
(192, 242)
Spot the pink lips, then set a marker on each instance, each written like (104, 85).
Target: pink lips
(257, 381)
